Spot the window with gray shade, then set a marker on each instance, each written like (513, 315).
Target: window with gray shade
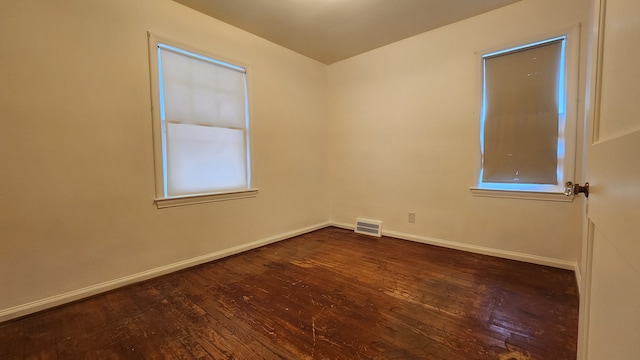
(523, 114)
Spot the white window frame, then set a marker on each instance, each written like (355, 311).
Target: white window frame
(567, 127)
(162, 199)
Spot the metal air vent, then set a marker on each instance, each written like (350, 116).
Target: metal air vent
(369, 227)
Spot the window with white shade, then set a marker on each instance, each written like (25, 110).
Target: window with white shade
(526, 132)
(201, 124)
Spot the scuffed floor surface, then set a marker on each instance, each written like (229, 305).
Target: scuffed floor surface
(330, 294)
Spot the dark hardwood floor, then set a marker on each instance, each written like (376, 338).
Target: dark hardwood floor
(330, 294)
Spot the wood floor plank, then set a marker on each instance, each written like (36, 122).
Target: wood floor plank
(329, 294)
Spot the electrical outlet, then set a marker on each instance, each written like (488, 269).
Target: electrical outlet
(412, 217)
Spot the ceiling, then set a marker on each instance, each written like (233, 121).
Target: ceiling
(333, 30)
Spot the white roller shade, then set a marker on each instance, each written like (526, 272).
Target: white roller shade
(200, 92)
(204, 123)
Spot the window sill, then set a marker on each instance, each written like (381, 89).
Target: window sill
(523, 195)
(162, 203)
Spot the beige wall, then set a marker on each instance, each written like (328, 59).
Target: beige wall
(388, 132)
(76, 151)
(404, 136)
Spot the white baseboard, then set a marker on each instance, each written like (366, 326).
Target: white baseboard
(56, 300)
(505, 254)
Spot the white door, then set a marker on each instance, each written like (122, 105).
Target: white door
(613, 171)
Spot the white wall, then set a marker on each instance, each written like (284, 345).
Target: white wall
(404, 136)
(76, 151)
(387, 132)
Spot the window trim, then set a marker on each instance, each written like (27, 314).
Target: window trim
(535, 191)
(161, 201)
(522, 195)
(174, 201)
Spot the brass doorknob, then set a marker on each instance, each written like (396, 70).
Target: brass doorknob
(575, 189)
